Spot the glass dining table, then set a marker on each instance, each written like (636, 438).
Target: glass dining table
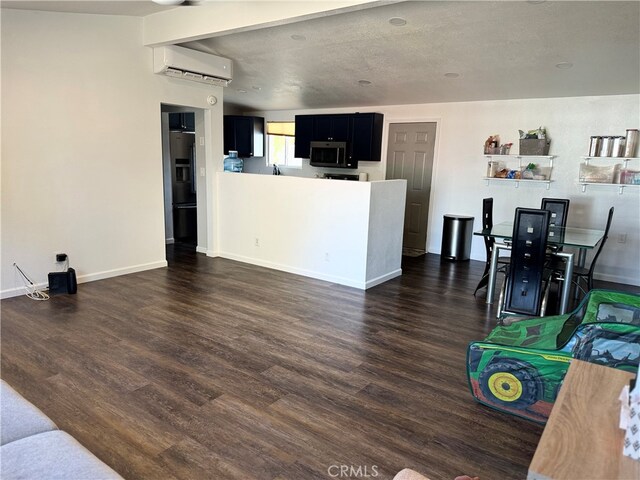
(581, 238)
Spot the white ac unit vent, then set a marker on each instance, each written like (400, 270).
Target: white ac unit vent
(180, 62)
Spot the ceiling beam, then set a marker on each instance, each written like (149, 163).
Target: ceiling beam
(211, 19)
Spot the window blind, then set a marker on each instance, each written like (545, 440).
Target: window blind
(287, 129)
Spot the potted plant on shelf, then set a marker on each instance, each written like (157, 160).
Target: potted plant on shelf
(529, 172)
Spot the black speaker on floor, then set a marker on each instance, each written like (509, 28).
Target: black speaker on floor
(63, 282)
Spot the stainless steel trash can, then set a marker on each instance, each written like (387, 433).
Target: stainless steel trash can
(457, 232)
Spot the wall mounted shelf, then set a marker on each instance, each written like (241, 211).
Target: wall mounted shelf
(549, 157)
(517, 181)
(522, 159)
(621, 186)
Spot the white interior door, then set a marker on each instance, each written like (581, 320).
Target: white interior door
(410, 156)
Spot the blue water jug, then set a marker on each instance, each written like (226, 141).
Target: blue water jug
(232, 163)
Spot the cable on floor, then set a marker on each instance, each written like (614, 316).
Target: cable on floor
(33, 292)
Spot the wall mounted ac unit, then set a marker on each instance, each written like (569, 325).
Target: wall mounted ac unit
(180, 62)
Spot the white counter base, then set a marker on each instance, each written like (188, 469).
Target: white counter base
(339, 231)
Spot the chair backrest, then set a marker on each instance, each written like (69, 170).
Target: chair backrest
(487, 224)
(604, 240)
(526, 271)
(559, 208)
(487, 213)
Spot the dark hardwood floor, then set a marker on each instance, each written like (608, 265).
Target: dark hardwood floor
(214, 369)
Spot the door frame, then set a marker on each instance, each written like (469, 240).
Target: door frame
(389, 119)
(203, 189)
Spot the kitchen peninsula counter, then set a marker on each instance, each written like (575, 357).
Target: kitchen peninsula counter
(341, 231)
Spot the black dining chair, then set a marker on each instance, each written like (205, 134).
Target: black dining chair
(585, 275)
(582, 276)
(489, 242)
(522, 291)
(559, 208)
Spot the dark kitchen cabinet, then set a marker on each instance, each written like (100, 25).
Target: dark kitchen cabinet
(331, 128)
(182, 122)
(304, 135)
(366, 136)
(361, 131)
(245, 135)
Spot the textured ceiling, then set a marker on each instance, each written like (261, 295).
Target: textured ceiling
(501, 50)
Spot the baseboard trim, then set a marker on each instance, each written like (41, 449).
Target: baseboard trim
(617, 279)
(18, 291)
(201, 250)
(383, 278)
(349, 282)
(91, 277)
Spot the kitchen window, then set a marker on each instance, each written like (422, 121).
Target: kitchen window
(280, 145)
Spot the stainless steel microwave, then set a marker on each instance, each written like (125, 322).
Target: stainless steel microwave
(331, 154)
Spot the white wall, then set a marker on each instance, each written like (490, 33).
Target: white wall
(81, 145)
(82, 168)
(459, 165)
(386, 224)
(316, 228)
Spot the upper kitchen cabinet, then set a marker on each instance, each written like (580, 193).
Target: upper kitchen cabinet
(245, 135)
(182, 122)
(361, 131)
(304, 135)
(331, 128)
(366, 136)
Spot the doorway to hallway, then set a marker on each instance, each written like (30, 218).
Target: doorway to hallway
(184, 175)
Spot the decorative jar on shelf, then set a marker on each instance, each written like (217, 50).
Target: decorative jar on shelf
(232, 163)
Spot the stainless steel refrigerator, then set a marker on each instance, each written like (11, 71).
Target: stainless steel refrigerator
(183, 186)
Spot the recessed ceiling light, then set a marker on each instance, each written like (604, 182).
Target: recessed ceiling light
(168, 2)
(298, 38)
(364, 83)
(397, 21)
(452, 75)
(564, 65)
(241, 90)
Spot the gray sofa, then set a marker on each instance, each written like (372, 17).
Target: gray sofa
(33, 448)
